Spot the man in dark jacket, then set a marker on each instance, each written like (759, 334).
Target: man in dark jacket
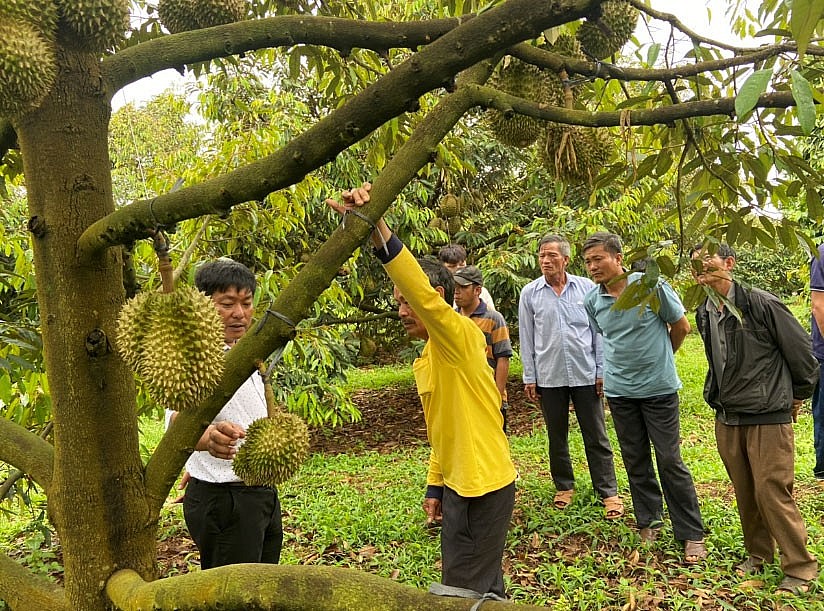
(760, 369)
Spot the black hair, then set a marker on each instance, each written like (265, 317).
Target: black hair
(222, 274)
(452, 254)
(725, 251)
(439, 276)
(610, 242)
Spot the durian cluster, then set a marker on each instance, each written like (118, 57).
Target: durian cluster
(273, 450)
(524, 81)
(607, 35)
(28, 34)
(174, 343)
(574, 154)
(185, 15)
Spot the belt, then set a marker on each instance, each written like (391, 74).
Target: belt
(194, 480)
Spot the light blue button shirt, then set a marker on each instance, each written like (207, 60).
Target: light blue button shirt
(559, 344)
(638, 356)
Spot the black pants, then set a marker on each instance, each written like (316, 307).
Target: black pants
(473, 537)
(589, 409)
(657, 420)
(233, 524)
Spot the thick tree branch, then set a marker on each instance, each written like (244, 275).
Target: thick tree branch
(280, 588)
(17, 474)
(177, 50)
(22, 590)
(26, 451)
(397, 92)
(492, 98)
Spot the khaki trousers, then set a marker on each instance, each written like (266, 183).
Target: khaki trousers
(760, 460)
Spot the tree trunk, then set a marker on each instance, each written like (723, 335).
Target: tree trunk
(97, 499)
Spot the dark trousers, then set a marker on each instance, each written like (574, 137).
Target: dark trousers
(656, 420)
(589, 410)
(233, 524)
(473, 537)
(818, 423)
(760, 460)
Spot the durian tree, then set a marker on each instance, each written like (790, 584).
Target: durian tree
(718, 132)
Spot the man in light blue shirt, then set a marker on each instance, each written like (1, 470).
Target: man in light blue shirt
(642, 385)
(561, 355)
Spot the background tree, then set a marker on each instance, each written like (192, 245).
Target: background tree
(388, 91)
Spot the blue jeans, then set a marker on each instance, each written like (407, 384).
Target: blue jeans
(818, 423)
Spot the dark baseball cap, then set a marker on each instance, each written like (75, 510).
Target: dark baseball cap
(468, 275)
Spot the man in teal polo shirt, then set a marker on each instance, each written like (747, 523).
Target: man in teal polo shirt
(642, 386)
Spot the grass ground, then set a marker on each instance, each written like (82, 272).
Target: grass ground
(362, 510)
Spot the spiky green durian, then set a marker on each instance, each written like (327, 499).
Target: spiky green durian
(174, 343)
(217, 12)
(95, 25)
(449, 206)
(28, 67)
(42, 14)
(525, 81)
(453, 225)
(437, 222)
(606, 36)
(178, 15)
(272, 451)
(575, 154)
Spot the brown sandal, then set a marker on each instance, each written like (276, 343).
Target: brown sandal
(613, 507)
(563, 498)
(694, 551)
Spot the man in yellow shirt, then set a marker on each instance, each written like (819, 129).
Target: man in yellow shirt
(471, 479)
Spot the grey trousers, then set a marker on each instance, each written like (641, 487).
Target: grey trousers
(589, 410)
(656, 420)
(760, 460)
(473, 537)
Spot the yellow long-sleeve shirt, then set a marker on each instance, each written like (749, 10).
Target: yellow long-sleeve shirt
(461, 404)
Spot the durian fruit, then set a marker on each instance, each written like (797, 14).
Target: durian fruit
(274, 447)
(273, 450)
(42, 14)
(174, 343)
(217, 12)
(437, 222)
(526, 81)
(28, 67)
(453, 225)
(449, 206)
(575, 154)
(97, 25)
(178, 15)
(610, 32)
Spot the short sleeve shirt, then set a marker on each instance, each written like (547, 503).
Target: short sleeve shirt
(638, 358)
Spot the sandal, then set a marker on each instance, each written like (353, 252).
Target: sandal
(793, 585)
(694, 551)
(749, 566)
(649, 534)
(613, 507)
(563, 498)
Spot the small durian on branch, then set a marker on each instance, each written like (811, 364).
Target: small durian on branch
(274, 447)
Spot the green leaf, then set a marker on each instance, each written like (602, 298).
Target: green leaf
(752, 88)
(805, 107)
(652, 53)
(804, 16)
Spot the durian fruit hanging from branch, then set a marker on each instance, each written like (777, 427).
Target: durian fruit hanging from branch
(574, 154)
(524, 80)
(174, 340)
(94, 25)
(449, 206)
(602, 37)
(41, 14)
(274, 447)
(28, 64)
(185, 15)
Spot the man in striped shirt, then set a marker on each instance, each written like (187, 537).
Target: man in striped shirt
(469, 283)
